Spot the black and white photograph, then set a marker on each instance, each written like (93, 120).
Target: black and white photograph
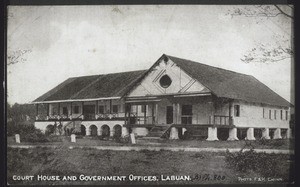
(150, 94)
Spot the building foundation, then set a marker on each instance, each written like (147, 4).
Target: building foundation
(277, 134)
(250, 134)
(266, 134)
(174, 133)
(232, 134)
(212, 134)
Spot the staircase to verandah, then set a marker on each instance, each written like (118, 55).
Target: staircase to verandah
(159, 131)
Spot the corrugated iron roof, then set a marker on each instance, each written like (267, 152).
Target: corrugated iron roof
(221, 82)
(229, 84)
(90, 87)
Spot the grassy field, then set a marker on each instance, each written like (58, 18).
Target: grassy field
(88, 141)
(201, 167)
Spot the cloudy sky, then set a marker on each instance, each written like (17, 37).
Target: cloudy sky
(52, 43)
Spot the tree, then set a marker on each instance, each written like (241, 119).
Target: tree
(262, 52)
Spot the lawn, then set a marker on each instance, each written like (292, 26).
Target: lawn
(203, 167)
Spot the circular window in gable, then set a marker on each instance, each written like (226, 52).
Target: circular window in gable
(165, 81)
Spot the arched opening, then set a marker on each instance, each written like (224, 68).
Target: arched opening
(93, 130)
(118, 131)
(49, 129)
(223, 133)
(258, 133)
(241, 134)
(82, 130)
(60, 129)
(105, 131)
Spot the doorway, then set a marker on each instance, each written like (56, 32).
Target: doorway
(169, 115)
(89, 111)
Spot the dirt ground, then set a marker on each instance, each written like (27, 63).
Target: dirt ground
(202, 168)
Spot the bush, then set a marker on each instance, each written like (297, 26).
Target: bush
(28, 133)
(268, 165)
(272, 143)
(36, 136)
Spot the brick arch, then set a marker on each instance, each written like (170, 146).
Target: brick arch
(105, 129)
(117, 131)
(93, 130)
(83, 130)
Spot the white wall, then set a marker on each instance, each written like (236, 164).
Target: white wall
(181, 82)
(251, 115)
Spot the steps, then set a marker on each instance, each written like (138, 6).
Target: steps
(158, 131)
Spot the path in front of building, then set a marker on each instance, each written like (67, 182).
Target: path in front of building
(155, 148)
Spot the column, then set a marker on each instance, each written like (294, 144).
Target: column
(174, 114)
(277, 134)
(112, 132)
(110, 106)
(145, 114)
(58, 110)
(178, 121)
(174, 133)
(124, 131)
(250, 134)
(48, 111)
(82, 110)
(156, 113)
(265, 134)
(99, 130)
(232, 134)
(212, 134)
(71, 110)
(37, 112)
(88, 130)
(153, 119)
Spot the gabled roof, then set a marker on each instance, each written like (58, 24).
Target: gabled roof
(229, 84)
(222, 83)
(92, 87)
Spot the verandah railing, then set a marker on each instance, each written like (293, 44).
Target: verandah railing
(220, 120)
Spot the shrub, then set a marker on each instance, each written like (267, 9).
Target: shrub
(272, 143)
(28, 133)
(268, 165)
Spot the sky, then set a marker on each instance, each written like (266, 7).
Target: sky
(52, 43)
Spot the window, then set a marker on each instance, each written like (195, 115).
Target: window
(281, 114)
(286, 115)
(270, 114)
(187, 114)
(263, 113)
(274, 114)
(76, 109)
(115, 108)
(65, 111)
(237, 110)
(165, 81)
(101, 109)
